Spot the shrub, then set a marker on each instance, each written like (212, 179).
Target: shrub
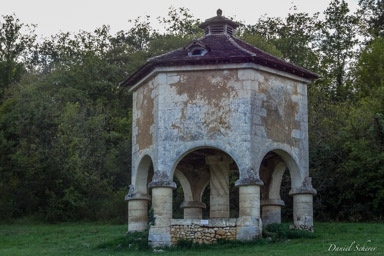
(280, 232)
(185, 243)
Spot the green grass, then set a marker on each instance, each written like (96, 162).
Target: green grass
(97, 239)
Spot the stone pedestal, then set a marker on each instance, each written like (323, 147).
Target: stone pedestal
(137, 210)
(159, 234)
(303, 205)
(271, 211)
(303, 211)
(219, 185)
(249, 225)
(193, 209)
(137, 215)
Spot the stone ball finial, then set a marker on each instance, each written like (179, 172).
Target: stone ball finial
(219, 12)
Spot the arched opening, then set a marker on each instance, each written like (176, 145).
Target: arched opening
(139, 196)
(207, 177)
(279, 173)
(144, 174)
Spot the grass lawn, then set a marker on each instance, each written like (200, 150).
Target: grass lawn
(83, 238)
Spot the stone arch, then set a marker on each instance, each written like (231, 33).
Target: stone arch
(293, 167)
(272, 168)
(185, 151)
(143, 175)
(185, 185)
(289, 159)
(199, 166)
(275, 184)
(202, 191)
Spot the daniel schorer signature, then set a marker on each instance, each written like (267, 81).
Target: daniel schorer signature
(353, 247)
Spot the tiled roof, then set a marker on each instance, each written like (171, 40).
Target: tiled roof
(218, 19)
(222, 49)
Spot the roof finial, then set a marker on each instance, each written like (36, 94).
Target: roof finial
(219, 12)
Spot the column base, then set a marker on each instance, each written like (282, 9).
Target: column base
(159, 236)
(248, 228)
(137, 212)
(271, 211)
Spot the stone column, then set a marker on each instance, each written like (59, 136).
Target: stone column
(303, 205)
(249, 222)
(162, 193)
(249, 201)
(219, 185)
(193, 209)
(137, 210)
(271, 211)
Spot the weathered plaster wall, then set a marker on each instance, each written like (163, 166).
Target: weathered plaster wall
(280, 120)
(244, 112)
(205, 108)
(143, 117)
(144, 125)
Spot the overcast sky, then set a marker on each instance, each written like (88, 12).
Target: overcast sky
(53, 16)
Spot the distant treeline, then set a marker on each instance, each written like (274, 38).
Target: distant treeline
(65, 124)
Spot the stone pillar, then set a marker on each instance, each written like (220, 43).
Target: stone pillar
(162, 194)
(193, 209)
(137, 210)
(303, 205)
(219, 185)
(271, 211)
(249, 225)
(249, 201)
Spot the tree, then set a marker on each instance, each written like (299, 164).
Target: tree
(14, 47)
(294, 37)
(337, 48)
(181, 23)
(373, 15)
(370, 69)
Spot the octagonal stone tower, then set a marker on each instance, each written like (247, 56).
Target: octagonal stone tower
(216, 106)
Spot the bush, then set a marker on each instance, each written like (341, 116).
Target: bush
(185, 243)
(280, 232)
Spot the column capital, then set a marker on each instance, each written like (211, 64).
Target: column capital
(273, 202)
(161, 179)
(133, 195)
(162, 184)
(250, 179)
(137, 196)
(306, 188)
(193, 204)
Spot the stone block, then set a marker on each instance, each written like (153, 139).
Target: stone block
(248, 228)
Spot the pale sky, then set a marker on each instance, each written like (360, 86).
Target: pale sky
(53, 16)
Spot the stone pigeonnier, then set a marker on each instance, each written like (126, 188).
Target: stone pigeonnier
(217, 107)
